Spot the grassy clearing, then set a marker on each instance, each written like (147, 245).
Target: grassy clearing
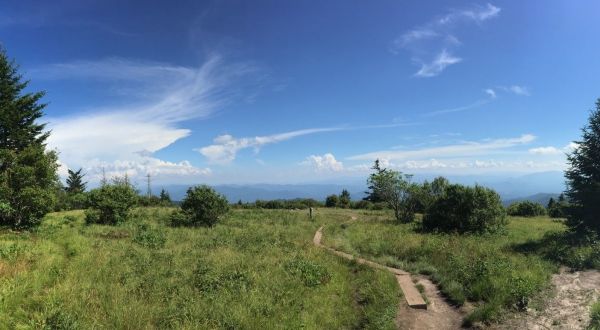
(256, 269)
(488, 270)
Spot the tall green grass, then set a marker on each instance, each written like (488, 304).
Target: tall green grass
(488, 270)
(255, 269)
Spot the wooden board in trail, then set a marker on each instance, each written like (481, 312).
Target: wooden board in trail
(416, 313)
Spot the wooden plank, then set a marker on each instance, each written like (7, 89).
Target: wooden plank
(411, 294)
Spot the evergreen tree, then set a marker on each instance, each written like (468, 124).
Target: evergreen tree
(164, 196)
(583, 177)
(372, 194)
(344, 200)
(75, 183)
(28, 177)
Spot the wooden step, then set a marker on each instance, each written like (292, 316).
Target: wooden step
(411, 294)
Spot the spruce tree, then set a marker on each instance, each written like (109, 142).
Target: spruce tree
(583, 177)
(165, 197)
(75, 183)
(28, 177)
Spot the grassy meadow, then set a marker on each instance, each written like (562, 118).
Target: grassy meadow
(490, 271)
(255, 269)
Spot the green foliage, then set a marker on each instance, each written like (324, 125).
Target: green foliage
(165, 198)
(332, 201)
(583, 177)
(75, 183)
(396, 190)
(345, 200)
(149, 236)
(111, 203)
(202, 206)
(485, 269)
(558, 209)
(66, 275)
(526, 209)
(595, 316)
(310, 273)
(288, 204)
(466, 209)
(427, 193)
(27, 182)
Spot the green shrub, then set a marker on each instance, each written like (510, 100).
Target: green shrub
(465, 209)
(110, 204)
(331, 201)
(150, 237)
(202, 206)
(526, 209)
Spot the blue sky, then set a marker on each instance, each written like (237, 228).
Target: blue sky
(287, 92)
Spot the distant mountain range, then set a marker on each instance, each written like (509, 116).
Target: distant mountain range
(541, 198)
(510, 188)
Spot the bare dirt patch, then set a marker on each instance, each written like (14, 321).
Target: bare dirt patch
(569, 308)
(439, 314)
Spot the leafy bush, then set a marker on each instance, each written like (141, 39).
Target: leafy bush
(202, 206)
(362, 204)
(149, 236)
(465, 209)
(110, 204)
(526, 209)
(331, 201)
(595, 316)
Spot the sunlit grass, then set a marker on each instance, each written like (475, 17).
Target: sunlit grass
(256, 269)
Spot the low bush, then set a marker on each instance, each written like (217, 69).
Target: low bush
(595, 316)
(150, 237)
(110, 204)
(202, 206)
(526, 209)
(466, 209)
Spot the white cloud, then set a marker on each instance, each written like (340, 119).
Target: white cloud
(326, 162)
(545, 151)
(435, 67)
(491, 93)
(225, 147)
(466, 149)
(129, 134)
(430, 44)
(550, 150)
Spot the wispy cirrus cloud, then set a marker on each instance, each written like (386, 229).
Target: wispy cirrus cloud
(432, 44)
(125, 137)
(465, 149)
(225, 147)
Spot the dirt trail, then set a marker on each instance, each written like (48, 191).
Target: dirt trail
(568, 309)
(435, 315)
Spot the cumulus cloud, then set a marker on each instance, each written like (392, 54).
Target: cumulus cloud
(326, 162)
(466, 149)
(130, 134)
(225, 147)
(432, 43)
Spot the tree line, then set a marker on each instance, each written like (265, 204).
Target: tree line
(30, 186)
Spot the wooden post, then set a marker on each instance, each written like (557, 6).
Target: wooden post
(310, 213)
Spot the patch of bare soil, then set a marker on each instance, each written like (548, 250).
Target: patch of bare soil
(438, 315)
(569, 308)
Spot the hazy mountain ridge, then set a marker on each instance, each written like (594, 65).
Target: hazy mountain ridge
(526, 187)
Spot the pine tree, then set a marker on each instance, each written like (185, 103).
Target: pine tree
(75, 182)
(583, 177)
(164, 196)
(344, 200)
(28, 177)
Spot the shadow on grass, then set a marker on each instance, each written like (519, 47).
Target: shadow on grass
(577, 250)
